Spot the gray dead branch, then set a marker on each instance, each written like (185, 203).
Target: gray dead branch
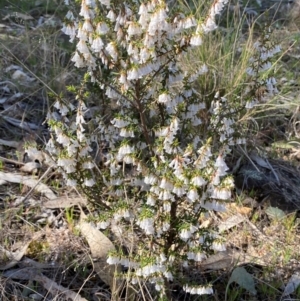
(65, 202)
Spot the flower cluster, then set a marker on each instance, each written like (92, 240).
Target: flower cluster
(264, 82)
(163, 164)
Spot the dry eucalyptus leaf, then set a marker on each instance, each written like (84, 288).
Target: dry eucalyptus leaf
(34, 154)
(233, 207)
(231, 222)
(100, 246)
(221, 260)
(292, 284)
(31, 167)
(228, 259)
(28, 181)
(10, 259)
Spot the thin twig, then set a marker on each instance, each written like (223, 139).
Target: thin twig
(38, 182)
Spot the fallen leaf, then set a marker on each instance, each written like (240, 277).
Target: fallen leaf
(28, 181)
(243, 279)
(100, 246)
(275, 213)
(12, 258)
(231, 222)
(239, 209)
(292, 285)
(31, 167)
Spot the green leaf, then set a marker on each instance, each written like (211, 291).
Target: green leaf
(243, 279)
(275, 213)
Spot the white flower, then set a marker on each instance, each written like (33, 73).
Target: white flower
(189, 22)
(105, 2)
(81, 46)
(151, 200)
(221, 165)
(165, 195)
(70, 31)
(166, 184)
(147, 225)
(112, 260)
(97, 44)
(199, 256)
(125, 150)
(192, 195)
(85, 12)
(218, 246)
(71, 182)
(88, 165)
(133, 29)
(126, 133)
(162, 258)
(63, 139)
(198, 290)
(67, 163)
(216, 206)
(102, 28)
(89, 182)
(221, 193)
(87, 26)
(251, 104)
(103, 224)
(198, 181)
(191, 255)
(178, 190)
(209, 25)
(168, 275)
(265, 66)
(112, 50)
(120, 123)
(111, 16)
(164, 98)
(185, 234)
(167, 206)
(150, 179)
(196, 40)
(133, 74)
(77, 59)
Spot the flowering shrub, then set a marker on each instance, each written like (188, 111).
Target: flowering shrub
(162, 147)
